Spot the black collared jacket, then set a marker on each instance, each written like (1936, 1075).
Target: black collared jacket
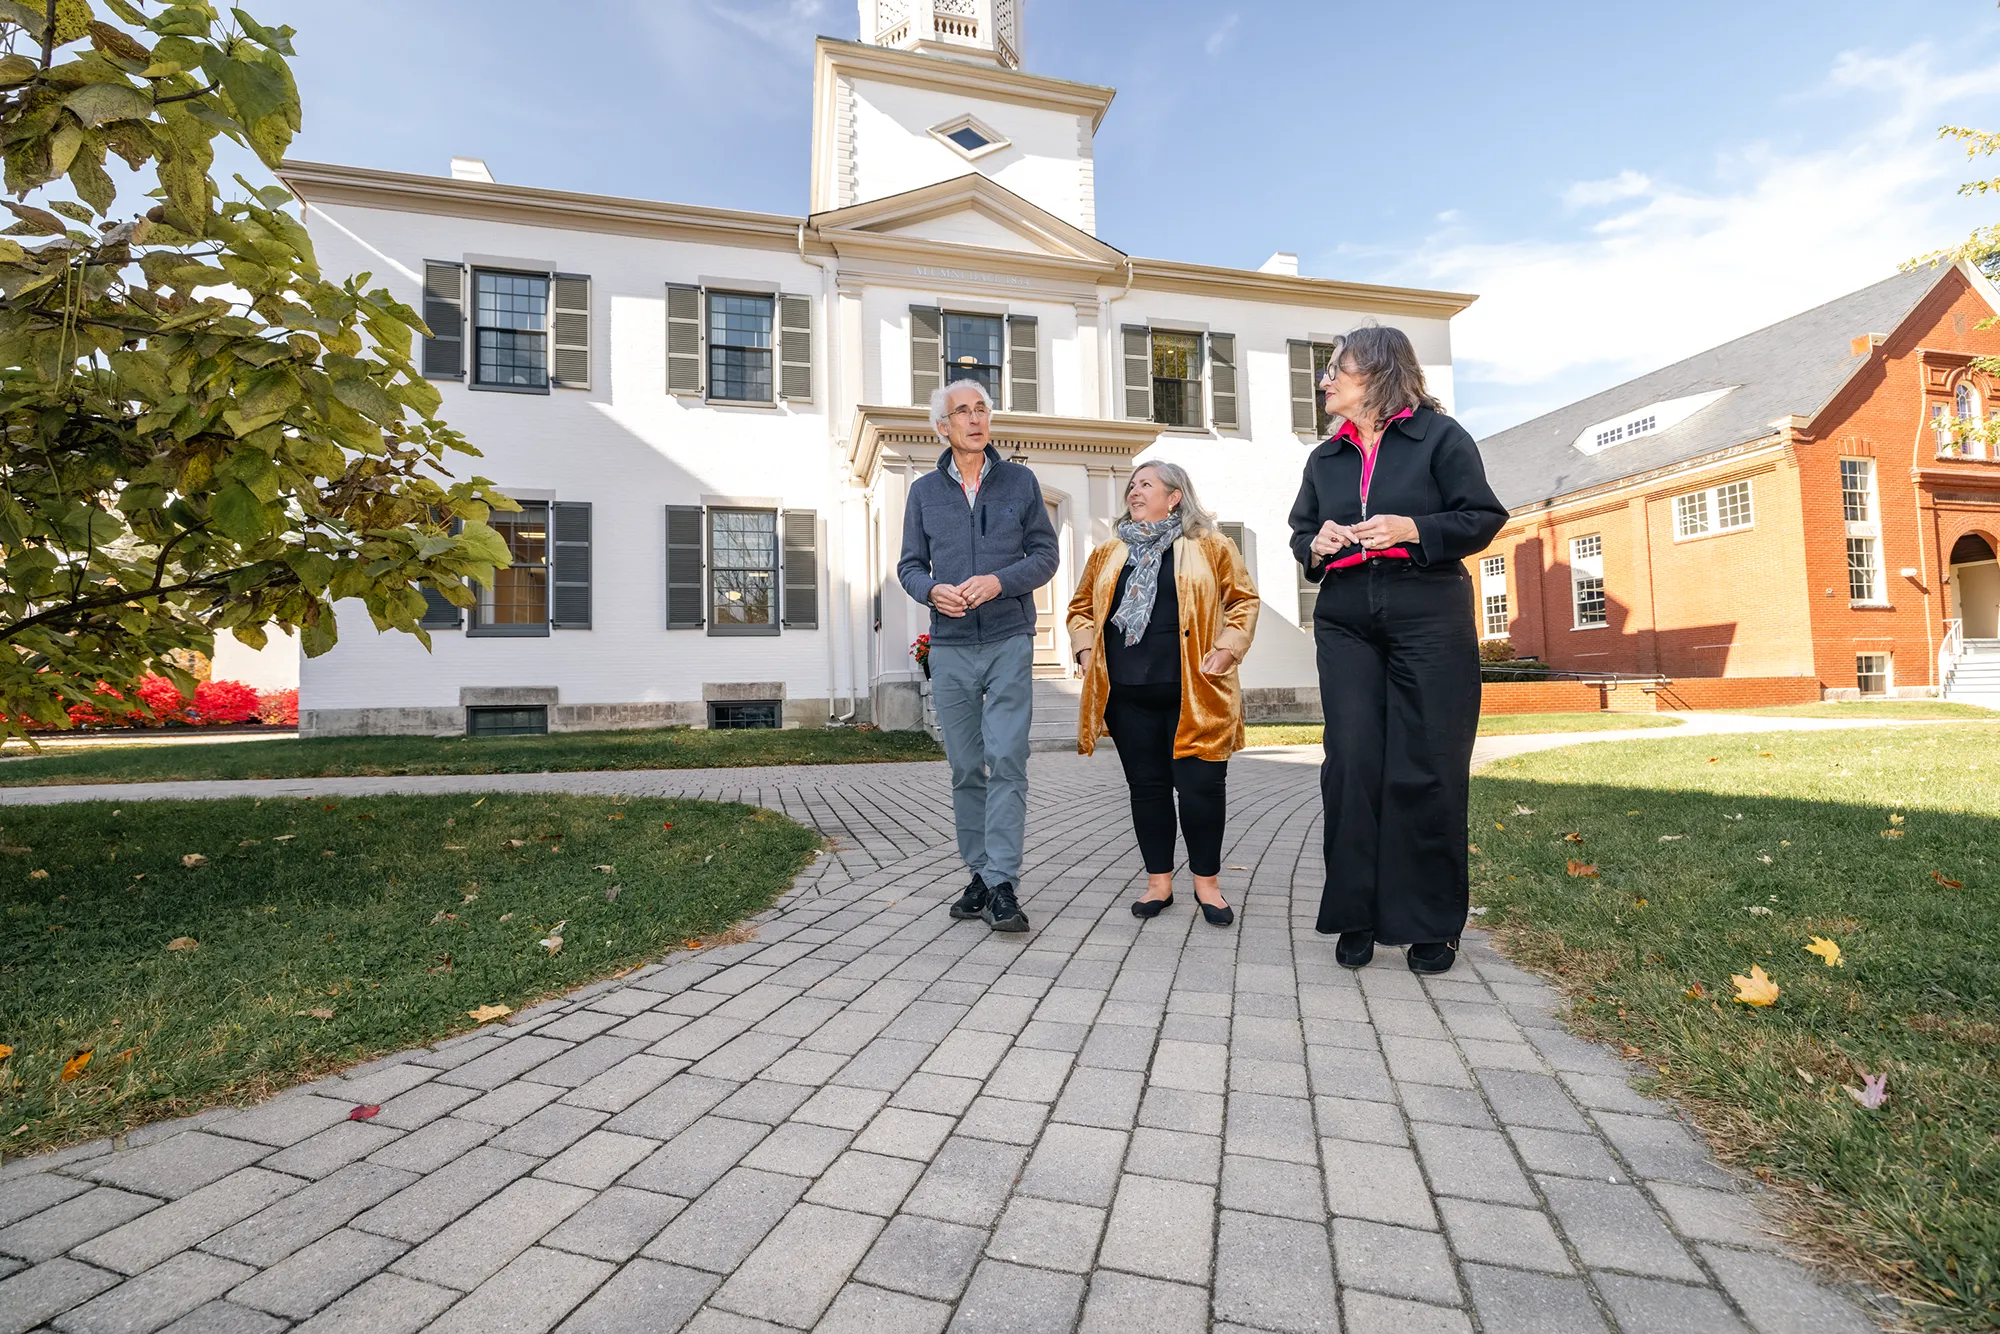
(1427, 468)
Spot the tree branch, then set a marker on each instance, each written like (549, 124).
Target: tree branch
(184, 97)
(49, 37)
(120, 598)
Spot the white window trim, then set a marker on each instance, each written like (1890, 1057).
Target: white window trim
(1888, 674)
(1576, 573)
(1493, 584)
(995, 141)
(1712, 522)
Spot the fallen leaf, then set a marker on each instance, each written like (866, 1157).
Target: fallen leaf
(1766, 755)
(691, 944)
(1632, 812)
(1233, 868)
(443, 916)
(75, 1065)
(249, 842)
(1803, 1073)
(506, 916)
(666, 824)
(1758, 910)
(1498, 825)
(283, 838)
(367, 1111)
(1476, 912)
(1672, 838)
(475, 805)
(1764, 857)
(517, 842)
(1895, 818)
(1948, 884)
(5, 1051)
(615, 815)
(471, 895)
(1756, 989)
(1695, 991)
(611, 893)
(1583, 870)
(1572, 838)
(606, 869)
(1826, 950)
(183, 943)
(553, 944)
(450, 821)
(327, 853)
(1523, 810)
(1638, 903)
(1711, 759)
(1874, 1090)
(320, 1012)
(1892, 833)
(454, 847)
(486, 1014)
(326, 808)
(1473, 848)
(14, 850)
(38, 875)
(444, 965)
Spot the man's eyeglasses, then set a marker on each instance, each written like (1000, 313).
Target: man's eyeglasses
(969, 411)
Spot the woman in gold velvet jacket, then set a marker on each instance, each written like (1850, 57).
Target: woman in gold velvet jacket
(1163, 614)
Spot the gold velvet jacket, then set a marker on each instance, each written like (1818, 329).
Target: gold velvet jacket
(1218, 610)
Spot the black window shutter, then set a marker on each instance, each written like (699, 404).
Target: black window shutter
(439, 613)
(685, 602)
(683, 339)
(1138, 372)
(926, 353)
(569, 576)
(444, 312)
(569, 323)
(801, 604)
(1303, 419)
(1024, 358)
(795, 349)
(1222, 379)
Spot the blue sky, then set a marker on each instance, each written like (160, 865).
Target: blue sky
(1623, 184)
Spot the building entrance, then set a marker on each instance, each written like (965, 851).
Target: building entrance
(1975, 587)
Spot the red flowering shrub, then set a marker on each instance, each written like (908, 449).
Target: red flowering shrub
(162, 701)
(222, 703)
(278, 708)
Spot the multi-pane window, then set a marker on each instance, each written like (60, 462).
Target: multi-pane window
(1493, 597)
(739, 347)
(1626, 430)
(743, 571)
(1960, 435)
(1176, 378)
(517, 601)
(972, 349)
(1872, 672)
(1586, 580)
(1719, 509)
(1322, 357)
(1859, 508)
(510, 320)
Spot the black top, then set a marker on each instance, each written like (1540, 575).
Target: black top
(1426, 468)
(1156, 659)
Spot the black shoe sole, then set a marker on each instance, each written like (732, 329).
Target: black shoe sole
(1431, 968)
(964, 916)
(1018, 922)
(1223, 916)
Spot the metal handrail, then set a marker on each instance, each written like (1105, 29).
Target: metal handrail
(1563, 674)
(1950, 651)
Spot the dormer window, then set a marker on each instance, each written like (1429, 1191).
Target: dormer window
(1646, 419)
(969, 137)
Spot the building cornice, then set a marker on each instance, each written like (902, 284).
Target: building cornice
(321, 183)
(1251, 285)
(882, 432)
(858, 60)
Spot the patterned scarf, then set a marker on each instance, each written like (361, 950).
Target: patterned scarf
(1145, 543)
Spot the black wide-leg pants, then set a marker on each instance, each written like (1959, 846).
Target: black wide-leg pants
(1399, 683)
(1142, 721)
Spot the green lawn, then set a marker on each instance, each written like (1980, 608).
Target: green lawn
(327, 932)
(1714, 854)
(1924, 709)
(1499, 724)
(329, 757)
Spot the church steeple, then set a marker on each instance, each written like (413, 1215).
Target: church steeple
(988, 31)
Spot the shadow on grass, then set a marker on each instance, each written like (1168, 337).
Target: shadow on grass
(327, 932)
(1714, 854)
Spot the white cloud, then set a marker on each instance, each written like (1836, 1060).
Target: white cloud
(1671, 268)
(782, 22)
(1219, 39)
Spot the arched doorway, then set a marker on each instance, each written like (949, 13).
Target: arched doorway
(1975, 587)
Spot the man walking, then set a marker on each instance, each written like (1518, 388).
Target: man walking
(977, 543)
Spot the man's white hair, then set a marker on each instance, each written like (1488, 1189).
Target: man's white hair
(938, 407)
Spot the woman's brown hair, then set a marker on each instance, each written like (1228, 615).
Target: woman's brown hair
(1395, 376)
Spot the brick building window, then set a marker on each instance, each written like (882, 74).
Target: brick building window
(1586, 580)
(1493, 597)
(1860, 510)
(1873, 674)
(1719, 509)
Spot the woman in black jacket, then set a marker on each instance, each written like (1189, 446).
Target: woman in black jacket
(1389, 507)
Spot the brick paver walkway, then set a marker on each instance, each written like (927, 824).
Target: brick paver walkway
(873, 1118)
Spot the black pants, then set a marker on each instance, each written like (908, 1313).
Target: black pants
(1142, 721)
(1399, 683)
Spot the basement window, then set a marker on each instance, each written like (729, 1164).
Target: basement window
(507, 720)
(743, 715)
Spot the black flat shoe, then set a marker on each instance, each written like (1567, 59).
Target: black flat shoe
(1151, 908)
(1433, 957)
(1355, 949)
(1214, 916)
(972, 903)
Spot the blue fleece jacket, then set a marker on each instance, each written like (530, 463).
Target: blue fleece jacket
(1005, 532)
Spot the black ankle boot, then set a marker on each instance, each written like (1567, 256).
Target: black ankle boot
(1435, 956)
(973, 902)
(1003, 912)
(1355, 949)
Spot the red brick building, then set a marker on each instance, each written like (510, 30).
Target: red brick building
(1802, 502)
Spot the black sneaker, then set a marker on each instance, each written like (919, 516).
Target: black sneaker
(972, 903)
(1002, 912)
(1355, 949)
(1436, 956)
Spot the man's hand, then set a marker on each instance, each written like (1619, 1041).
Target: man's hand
(1385, 530)
(1218, 662)
(979, 588)
(1332, 537)
(948, 599)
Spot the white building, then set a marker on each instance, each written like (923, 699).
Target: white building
(712, 417)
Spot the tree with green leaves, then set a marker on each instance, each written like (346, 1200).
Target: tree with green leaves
(200, 433)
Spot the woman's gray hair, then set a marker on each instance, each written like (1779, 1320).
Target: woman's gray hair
(938, 403)
(1195, 521)
(1395, 376)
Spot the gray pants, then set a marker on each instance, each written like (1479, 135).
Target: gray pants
(985, 701)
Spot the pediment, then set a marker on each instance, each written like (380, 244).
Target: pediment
(969, 210)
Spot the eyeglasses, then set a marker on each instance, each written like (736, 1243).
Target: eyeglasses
(970, 410)
(1333, 369)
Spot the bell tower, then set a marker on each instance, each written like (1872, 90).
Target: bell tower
(987, 31)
